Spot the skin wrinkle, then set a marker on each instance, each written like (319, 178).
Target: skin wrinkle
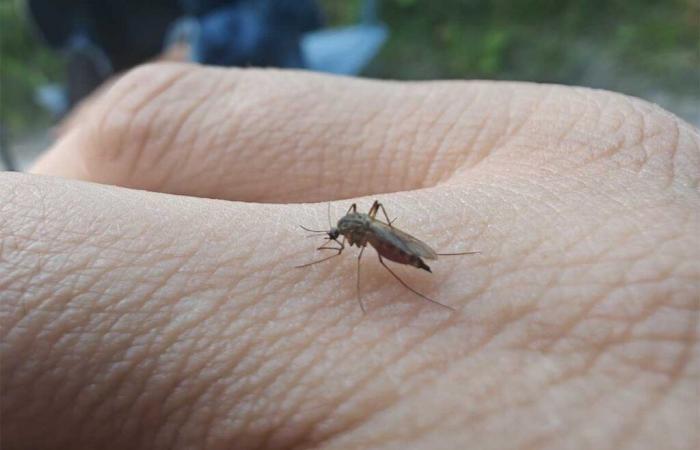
(319, 355)
(239, 357)
(481, 128)
(534, 108)
(272, 382)
(627, 433)
(171, 336)
(269, 384)
(349, 428)
(601, 349)
(135, 363)
(409, 132)
(380, 153)
(276, 339)
(186, 117)
(188, 404)
(540, 441)
(104, 133)
(350, 392)
(295, 381)
(586, 399)
(175, 340)
(476, 419)
(215, 138)
(462, 159)
(157, 155)
(39, 306)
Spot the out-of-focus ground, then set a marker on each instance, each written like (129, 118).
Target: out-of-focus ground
(645, 48)
(25, 150)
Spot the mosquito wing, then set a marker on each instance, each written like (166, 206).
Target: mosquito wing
(402, 240)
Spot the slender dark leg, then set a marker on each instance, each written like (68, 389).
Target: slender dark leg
(323, 247)
(320, 260)
(359, 295)
(375, 208)
(389, 221)
(410, 288)
(352, 208)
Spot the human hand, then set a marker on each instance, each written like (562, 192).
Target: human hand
(137, 319)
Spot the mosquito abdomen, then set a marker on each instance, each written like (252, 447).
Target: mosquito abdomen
(393, 253)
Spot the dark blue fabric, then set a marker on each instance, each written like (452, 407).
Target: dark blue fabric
(232, 32)
(256, 33)
(128, 31)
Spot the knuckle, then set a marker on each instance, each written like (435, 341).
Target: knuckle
(121, 125)
(581, 128)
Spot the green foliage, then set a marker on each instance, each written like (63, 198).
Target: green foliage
(24, 65)
(645, 41)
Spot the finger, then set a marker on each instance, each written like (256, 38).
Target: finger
(280, 136)
(296, 136)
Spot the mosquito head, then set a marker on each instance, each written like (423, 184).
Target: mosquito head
(333, 233)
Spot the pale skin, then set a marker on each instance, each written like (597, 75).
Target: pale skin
(135, 318)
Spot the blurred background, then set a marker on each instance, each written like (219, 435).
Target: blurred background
(53, 53)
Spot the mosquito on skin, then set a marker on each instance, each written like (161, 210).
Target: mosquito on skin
(360, 229)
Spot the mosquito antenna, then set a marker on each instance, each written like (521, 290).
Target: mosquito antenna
(330, 224)
(410, 288)
(458, 254)
(359, 295)
(312, 231)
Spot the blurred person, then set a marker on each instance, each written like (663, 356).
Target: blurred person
(102, 38)
(261, 33)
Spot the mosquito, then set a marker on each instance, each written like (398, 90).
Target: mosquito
(360, 229)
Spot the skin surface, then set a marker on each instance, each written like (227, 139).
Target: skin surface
(158, 307)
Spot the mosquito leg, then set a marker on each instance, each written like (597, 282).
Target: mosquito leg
(359, 295)
(389, 221)
(410, 288)
(340, 248)
(376, 206)
(353, 208)
(320, 260)
(323, 247)
(373, 210)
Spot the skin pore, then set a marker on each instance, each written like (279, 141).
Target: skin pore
(148, 295)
